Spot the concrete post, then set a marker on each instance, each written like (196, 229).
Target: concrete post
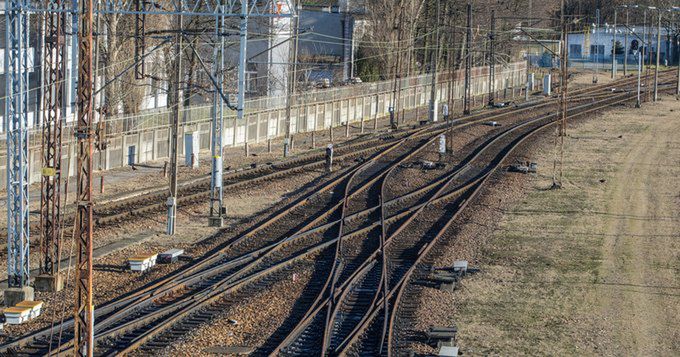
(547, 87)
(329, 158)
(154, 150)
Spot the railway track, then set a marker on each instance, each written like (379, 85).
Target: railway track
(217, 269)
(311, 327)
(115, 211)
(359, 291)
(275, 260)
(314, 225)
(109, 212)
(362, 292)
(388, 327)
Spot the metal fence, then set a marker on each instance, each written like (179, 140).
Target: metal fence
(145, 137)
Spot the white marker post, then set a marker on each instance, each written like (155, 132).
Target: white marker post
(442, 146)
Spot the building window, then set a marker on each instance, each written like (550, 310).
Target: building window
(575, 51)
(597, 49)
(251, 82)
(597, 53)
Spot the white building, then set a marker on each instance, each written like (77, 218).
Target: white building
(596, 45)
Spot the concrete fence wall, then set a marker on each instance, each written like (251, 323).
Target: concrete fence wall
(146, 136)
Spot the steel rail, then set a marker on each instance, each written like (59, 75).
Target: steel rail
(478, 183)
(446, 180)
(460, 126)
(147, 337)
(439, 194)
(448, 196)
(333, 278)
(200, 184)
(306, 227)
(287, 340)
(435, 134)
(169, 286)
(151, 291)
(369, 210)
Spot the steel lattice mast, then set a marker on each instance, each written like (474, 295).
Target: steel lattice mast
(84, 316)
(16, 114)
(16, 128)
(53, 110)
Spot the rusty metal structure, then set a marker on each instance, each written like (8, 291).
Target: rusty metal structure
(17, 68)
(53, 108)
(84, 306)
(140, 39)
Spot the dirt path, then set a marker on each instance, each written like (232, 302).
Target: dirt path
(591, 269)
(637, 284)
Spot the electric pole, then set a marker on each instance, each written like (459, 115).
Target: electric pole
(394, 123)
(625, 46)
(492, 60)
(638, 103)
(16, 69)
(174, 128)
(217, 210)
(562, 126)
(614, 47)
(677, 88)
(50, 198)
(644, 48)
(468, 61)
(564, 81)
(658, 55)
(243, 48)
(648, 41)
(84, 304)
(433, 64)
(294, 25)
(597, 36)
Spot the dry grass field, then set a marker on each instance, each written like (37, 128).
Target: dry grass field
(593, 268)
